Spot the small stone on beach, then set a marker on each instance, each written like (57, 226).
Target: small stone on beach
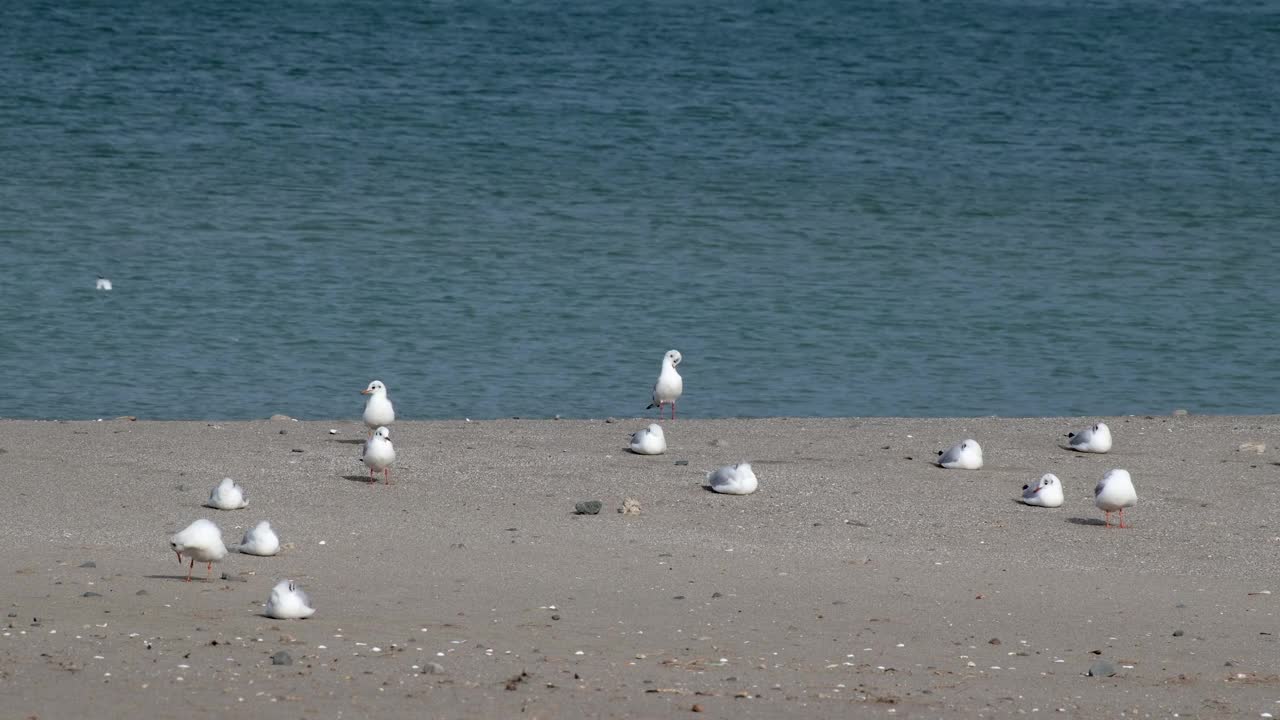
(282, 658)
(588, 507)
(89, 564)
(1102, 668)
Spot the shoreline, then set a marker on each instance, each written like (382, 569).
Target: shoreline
(859, 578)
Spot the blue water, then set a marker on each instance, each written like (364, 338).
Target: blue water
(515, 208)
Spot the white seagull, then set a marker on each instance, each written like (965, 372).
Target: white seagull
(1047, 492)
(1115, 493)
(377, 410)
(227, 496)
(966, 455)
(378, 454)
(260, 540)
(733, 479)
(669, 386)
(1093, 439)
(287, 602)
(649, 441)
(201, 540)
(103, 283)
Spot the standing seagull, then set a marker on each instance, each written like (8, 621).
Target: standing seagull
(1115, 493)
(201, 540)
(1094, 439)
(669, 386)
(378, 454)
(378, 410)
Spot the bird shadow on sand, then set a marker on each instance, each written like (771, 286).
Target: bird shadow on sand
(360, 479)
(181, 578)
(345, 441)
(1085, 521)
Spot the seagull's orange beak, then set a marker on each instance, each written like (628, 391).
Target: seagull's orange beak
(365, 391)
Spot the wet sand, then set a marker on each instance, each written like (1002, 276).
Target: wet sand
(859, 581)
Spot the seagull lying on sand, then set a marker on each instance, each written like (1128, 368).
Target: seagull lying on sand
(649, 441)
(201, 540)
(287, 602)
(378, 454)
(966, 455)
(260, 540)
(670, 385)
(1094, 439)
(227, 496)
(733, 479)
(1115, 493)
(1046, 492)
(377, 409)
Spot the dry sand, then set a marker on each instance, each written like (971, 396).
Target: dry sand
(859, 581)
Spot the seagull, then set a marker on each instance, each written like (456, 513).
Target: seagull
(1115, 493)
(227, 496)
(378, 454)
(1093, 439)
(260, 540)
(649, 441)
(103, 283)
(1047, 492)
(966, 455)
(733, 479)
(669, 386)
(201, 540)
(287, 602)
(377, 410)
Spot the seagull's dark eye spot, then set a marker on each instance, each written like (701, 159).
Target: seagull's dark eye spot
(1024, 487)
(963, 446)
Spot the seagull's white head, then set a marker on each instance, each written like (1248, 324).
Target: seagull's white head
(382, 432)
(375, 388)
(674, 357)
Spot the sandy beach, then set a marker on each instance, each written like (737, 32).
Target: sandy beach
(859, 581)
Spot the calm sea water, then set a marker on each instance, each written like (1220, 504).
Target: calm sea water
(515, 208)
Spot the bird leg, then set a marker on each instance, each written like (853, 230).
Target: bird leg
(673, 409)
(1121, 517)
(208, 573)
(386, 476)
(190, 568)
(372, 479)
(1108, 523)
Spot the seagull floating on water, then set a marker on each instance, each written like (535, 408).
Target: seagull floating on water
(103, 283)
(1093, 439)
(965, 455)
(733, 479)
(227, 496)
(377, 410)
(287, 602)
(1115, 493)
(378, 454)
(670, 385)
(201, 540)
(649, 441)
(1046, 492)
(260, 540)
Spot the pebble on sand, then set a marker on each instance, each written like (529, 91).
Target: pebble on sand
(588, 507)
(282, 658)
(1102, 668)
